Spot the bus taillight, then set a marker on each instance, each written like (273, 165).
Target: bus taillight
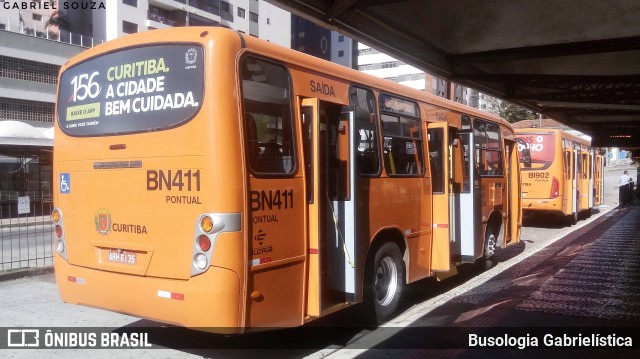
(555, 188)
(58, 231)
(55, 215)
(206, 224)
(61, 246)
(204, 243)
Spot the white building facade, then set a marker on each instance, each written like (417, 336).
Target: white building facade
(376, 63)
(121, 17)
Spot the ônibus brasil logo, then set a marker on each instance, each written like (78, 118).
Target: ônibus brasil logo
(103, 222)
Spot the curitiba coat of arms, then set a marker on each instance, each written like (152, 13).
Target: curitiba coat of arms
(103, 222)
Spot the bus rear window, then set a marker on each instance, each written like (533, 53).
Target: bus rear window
(135, 90)
(541, 147)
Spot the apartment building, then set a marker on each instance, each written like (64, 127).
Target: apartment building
(121, 17)
(376, 63)
(29, 67)
(321, 42)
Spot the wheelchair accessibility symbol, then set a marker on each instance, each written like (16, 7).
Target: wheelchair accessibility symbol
(65, 182)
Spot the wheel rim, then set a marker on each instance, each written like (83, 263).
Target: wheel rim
(491, 246)
(386, 281)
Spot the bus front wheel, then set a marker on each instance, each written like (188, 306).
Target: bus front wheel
(387, 281)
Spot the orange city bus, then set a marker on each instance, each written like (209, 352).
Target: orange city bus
(210, 179)
(564, 176)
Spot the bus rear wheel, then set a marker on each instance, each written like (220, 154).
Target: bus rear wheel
(490, 244)
(387, 281)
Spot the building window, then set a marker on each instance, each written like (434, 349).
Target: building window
(341, 38)
(301, 34)
(225, 6)
(129, 27)
(340, 53)
(241, 12)
(253, 17)
(37, 17)
(26, 110)
(268, 21)
(27, 70)
(133, 3)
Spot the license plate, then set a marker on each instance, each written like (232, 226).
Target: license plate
(120, 256)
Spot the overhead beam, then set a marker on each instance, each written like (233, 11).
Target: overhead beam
(339, 6)
(558, 82)
(546, 51)
(627, 96)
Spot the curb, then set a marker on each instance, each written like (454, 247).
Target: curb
(24, 272)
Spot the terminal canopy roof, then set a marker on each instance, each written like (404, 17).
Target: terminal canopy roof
(574, 61)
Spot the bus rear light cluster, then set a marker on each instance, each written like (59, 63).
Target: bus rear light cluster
(202, 249)
(555, 188)
(208, 227)
(61, 246)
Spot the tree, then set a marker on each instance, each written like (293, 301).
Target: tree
(508, 111)
(58, 20)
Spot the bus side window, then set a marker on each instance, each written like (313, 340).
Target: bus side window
(268, 122)
(488, 148)
(401, 136)
(366, 129)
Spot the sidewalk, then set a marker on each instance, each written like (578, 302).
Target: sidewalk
(586, 281)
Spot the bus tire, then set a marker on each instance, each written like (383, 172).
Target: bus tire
(387, 282)
(490, 243)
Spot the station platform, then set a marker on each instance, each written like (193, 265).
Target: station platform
(586, 284)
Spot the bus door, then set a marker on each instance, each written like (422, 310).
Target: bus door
(328, 135)
(276, 258)
(466, 196)
(569, 193)
(592, 192)
(514, 217)
(575, 157)
(439, 163)
(599, 182)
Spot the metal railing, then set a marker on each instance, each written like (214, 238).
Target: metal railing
(62, 36)
(26, 231)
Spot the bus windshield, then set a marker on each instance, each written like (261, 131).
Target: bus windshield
(135, 90)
